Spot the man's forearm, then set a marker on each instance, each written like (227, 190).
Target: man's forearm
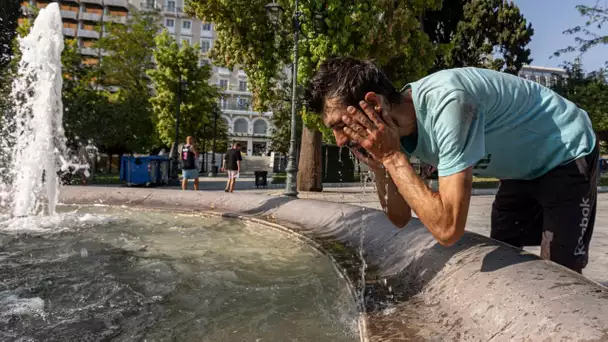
(427, 205)
(397, 210)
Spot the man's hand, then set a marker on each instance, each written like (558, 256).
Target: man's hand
(368, 160)
(377, 135)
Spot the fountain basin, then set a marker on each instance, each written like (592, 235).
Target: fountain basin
(478, 289)
(98, 273)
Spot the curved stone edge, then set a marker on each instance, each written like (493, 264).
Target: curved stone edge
(478, 289)
(361, 320)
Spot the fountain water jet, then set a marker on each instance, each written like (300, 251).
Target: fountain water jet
(35, 144)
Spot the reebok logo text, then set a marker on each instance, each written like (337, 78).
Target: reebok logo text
(585, 212)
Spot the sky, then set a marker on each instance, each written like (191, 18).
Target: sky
(549, 19)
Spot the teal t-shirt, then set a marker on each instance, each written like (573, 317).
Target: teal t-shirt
(505, 126)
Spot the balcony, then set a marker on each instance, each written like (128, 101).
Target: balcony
(235, 110)
(69, 32)
(235, 91)
(117, 3)
(88, 33)
(174, 11)
(170, 10)
(118, 19)
(90, 16)
(89, 51)
(69, 15)
(223, 71)
(96, 2)
(150, 6)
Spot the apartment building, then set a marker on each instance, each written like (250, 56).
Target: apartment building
(543, 75)
(81, 19)
(251, 129)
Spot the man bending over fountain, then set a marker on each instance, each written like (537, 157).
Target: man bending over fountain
(467, 122)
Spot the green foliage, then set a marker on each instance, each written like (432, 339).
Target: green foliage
(588, 36)
(589, 92)
(281, 117)
(81, 103)
(384, 30)
(9, 14)
(246, 38)
(221, 135)
(199, 99)
(474, 32)
(127, 113)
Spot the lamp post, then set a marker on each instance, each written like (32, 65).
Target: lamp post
(274, 12)
(181, 84)
(213, 172)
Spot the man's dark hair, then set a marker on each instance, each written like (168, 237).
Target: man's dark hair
(236, 144)
(348, 80)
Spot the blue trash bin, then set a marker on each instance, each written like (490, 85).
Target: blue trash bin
(159, 169)
(135, 170)
(144, 170)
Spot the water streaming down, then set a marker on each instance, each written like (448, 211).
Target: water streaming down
(34, 147)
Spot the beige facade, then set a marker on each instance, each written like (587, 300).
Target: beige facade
(252, 129)
(543, 75)
(81, 19)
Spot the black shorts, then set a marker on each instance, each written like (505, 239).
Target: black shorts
(555, 211)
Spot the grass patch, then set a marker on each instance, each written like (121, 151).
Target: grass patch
(278, 178)
(100, 179)
(485, 183)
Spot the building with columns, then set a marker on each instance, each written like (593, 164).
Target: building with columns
(251, 129)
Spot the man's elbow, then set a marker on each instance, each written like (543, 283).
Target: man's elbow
(400, 220)
(450, 236)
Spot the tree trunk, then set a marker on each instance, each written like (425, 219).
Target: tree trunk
(109, 163)
(310, 165)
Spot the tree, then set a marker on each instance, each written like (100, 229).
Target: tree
(199, 99)
(385, 30)
(281, 118)
(585, 37)
(472, 32)
(9, 15)
(121, 76)
(83, 107)
(589, 92)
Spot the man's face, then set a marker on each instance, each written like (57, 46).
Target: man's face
(332, 118)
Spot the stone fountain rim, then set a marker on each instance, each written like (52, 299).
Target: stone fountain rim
(511, 292)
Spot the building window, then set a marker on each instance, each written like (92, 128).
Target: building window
(205, 45)
(223, 84)
(148, 4)
(242, 103)
(170, 23)
(223, 103)
(185, 40)
(260, 127)
(242, 85)
(206, 27)
(170, 6)
(241, 126)
(203, 61)
(187, 25)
